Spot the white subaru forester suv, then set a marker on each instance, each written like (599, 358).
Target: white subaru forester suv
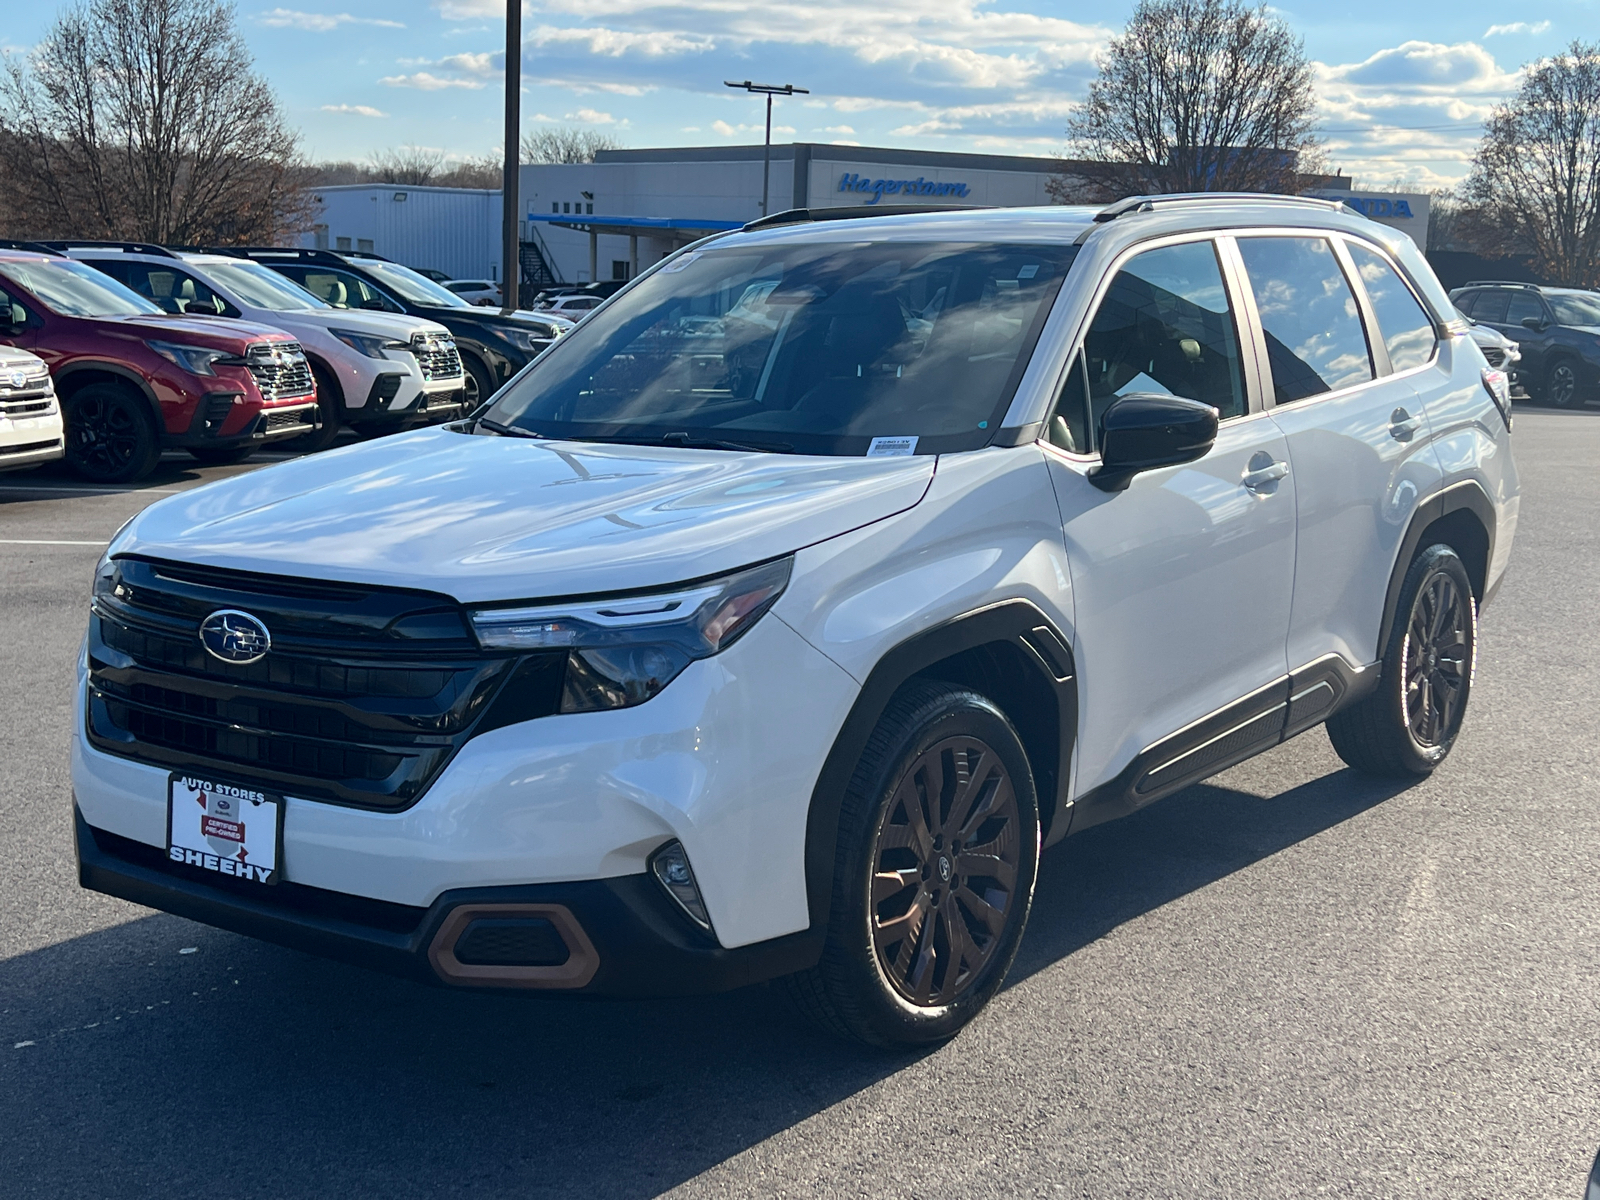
(770, 623)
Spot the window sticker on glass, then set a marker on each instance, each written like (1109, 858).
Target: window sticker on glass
(1029, 271)
(890, 447)
(679, 263)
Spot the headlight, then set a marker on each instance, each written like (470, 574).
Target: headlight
(105, 574)
(197, 360)
(366, 343)
(529, 341)
(622, 652)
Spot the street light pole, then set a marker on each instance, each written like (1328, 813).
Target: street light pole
(769, 90)
(510, 251)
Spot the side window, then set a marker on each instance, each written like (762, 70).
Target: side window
(172, 290)
(1315, 342)
(1165, 325)
(1491, 307)
(12, 315)
(1523, 305)
(341, 288)
(1466, 300)
(1406, 327)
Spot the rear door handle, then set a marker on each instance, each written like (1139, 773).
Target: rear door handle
(1263, 476)
(1402, 425)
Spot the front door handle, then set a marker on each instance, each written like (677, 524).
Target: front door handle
(1265, 476)
(1402, 425)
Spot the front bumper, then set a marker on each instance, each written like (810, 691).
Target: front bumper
(623, 936)
(21, 454)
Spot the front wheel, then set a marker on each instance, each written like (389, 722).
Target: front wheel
(933, 877)
(477, 382)
(1408, 726)
(1561, 383)
(111, 436)
(327, 410)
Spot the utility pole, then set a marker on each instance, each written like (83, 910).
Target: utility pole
(769, 90)
(510, 250)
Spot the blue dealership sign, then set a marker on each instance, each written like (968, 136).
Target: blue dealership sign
(879, 188)
(1379, 206)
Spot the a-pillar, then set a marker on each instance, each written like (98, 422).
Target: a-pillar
(594, 255)
(633, 256)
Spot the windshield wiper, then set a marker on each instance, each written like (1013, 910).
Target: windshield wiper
(683, 439)
(508, 430)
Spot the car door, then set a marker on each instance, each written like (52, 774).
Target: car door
(1182, 582)
(1358, 441)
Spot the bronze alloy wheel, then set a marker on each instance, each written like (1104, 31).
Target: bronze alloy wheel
(1438, 660)
(944, 871)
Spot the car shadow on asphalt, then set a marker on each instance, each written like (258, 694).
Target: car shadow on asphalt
(164, 1058)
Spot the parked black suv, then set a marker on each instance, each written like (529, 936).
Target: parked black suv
(493, 347)
(1558, 330)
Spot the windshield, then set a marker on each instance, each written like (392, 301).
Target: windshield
(1575, 308)
(418, 289)
(74, 290)
(263, 288)
(819, 348)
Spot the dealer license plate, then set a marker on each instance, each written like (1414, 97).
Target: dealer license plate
(232, 829)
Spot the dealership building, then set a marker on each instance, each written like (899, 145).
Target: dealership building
(613, 217)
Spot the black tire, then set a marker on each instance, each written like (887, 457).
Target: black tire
(221, 456)
(477, 382)
(1561, 383)
(327, 409)
(111, 436)
(899, 971)
(1407, 727)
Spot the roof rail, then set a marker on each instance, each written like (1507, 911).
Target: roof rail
(63, 245)
(847, 212)
(35, 247)
(297, 253)
(1131, 204)
(1521, 283)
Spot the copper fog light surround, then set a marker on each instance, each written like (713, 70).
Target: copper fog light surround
(582, 959)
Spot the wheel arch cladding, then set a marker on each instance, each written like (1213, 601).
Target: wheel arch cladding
(1463, 518)
(72, 379)
(1011, 653)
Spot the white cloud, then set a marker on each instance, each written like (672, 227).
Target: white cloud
(723, 129)
(1517, 27)
(591, 117)
(289, 18)
(842, 129)
(423, 81)
(355, 110)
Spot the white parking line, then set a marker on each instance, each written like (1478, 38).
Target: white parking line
(34, 542)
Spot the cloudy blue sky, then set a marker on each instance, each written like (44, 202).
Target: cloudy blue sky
(1402, 83)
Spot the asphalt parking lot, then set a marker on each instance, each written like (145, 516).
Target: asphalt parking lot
(1289, 981)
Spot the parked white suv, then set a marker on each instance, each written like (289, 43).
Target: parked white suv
(378, 372)
(772, 620)
(30, 418)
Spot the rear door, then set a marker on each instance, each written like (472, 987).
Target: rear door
(1358, 445)
(1182, 582)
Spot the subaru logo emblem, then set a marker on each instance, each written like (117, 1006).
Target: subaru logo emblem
(234, 637)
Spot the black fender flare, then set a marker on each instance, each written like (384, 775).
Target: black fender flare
(327, 369)
(126, 374)
(1018, 623)
(1468, 496)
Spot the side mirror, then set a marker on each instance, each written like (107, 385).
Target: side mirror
(1534, 323)
(375, 305)
(1145, 430)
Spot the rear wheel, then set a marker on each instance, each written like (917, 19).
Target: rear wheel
(1561, 383)
(933, 877)
(111, 436)
(1409, 725)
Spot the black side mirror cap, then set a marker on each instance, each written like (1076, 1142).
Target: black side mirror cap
(1145, 430)
(1536, 324)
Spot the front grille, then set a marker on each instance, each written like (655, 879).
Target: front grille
(437, 356)
(363, 697)
(1496, 355)
(435, 403)
(32, 407)
(280, 370)
(30, 447)
(294, 418)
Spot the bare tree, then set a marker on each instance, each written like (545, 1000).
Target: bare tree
(555, 144)
(1536, 176)
(409, 164)
(143, 119)
(1197, 96)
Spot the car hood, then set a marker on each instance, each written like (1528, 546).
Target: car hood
(13, 358)
(503, 518)
(220, 333)
(390, 325)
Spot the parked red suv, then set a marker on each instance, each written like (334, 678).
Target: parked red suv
(133, 380)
